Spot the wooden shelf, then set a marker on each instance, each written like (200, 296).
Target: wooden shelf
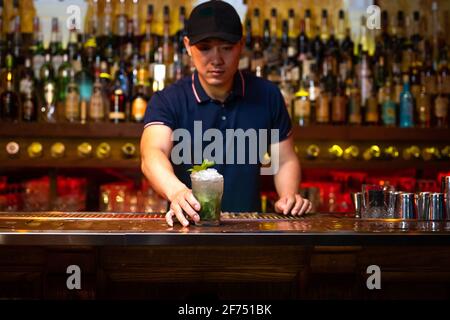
(310, 133)
(72, 130)
(377, 134)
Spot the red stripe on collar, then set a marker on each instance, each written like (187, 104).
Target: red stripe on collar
(195, 91)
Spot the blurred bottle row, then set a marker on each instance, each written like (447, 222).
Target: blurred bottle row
(102, 150)
(109, 72)
(70, 196)
(373, 152)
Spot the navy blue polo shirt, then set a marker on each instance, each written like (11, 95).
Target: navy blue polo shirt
(253, 104)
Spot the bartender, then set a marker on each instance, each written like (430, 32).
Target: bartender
(218, 98)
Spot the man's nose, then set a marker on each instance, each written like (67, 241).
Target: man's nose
(217, 58)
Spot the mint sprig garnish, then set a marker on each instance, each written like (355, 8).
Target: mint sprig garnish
(205, 165)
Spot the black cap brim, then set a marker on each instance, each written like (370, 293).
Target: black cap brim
(233, 38)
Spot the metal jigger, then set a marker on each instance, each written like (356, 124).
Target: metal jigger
(405, 206)
(357, 198)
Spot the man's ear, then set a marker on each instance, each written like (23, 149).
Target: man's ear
(187, 45)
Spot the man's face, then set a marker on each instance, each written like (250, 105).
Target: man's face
(216, 60)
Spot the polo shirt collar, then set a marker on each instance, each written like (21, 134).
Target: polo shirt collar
(201, 96)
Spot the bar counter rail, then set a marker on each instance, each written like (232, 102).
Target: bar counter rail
(122, 229)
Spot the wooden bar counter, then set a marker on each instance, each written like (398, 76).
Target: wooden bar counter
(249, 256)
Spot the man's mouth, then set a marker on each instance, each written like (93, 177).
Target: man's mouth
(217, 72)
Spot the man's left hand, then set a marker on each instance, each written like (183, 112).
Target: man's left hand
(293, 204)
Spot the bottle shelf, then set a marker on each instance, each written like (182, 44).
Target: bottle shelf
(310, 133)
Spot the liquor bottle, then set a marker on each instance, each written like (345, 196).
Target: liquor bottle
(323, 105)
(63, 79)
(441, 105)
(372, 153)
(159, 72)
(2, 35)
(84, 150)
(388, 107)
(430, 77)
(85, 86)
(256, 25)
(335, 152)
(121, 21)
(415, 79)
(372, 113)
(72, 99)
(57, 150)
(38, 48)
(147, 45)
(27, 93)
(406, 111)
(366, 80)
(17, 48)
(312, 152)
(444, 74)
(107, 24)
(423, 108)
(287, 92)
(128, 150)
(324, 32)
(244, 61)
(135, 19)
(167, 48)
(416, 38)
(72, 46)
(354, 105)
(351, 153)
(103, 150)
(317, 47)
(97, 105)
(292, 53)
(341, 27)
(55, 46)
(348, 46)
(117, 109)
(270, 54)
(313, 90)
(47, 110)
(128, 45)
(139, 104)
(35, 150)
(94, 25)
(302, 106)
(9, 102)
(303, 43)
(411, 153)
(339, 104)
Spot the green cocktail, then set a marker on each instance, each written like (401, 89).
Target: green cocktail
(207, 187)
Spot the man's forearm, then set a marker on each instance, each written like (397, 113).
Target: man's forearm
(159, 171)
(287, 179)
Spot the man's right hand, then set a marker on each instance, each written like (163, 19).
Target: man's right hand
(181, 201)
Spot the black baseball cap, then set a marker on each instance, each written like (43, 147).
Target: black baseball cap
(214, 19)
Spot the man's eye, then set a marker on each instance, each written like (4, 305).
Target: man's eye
(203, 48)
(227, 48)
